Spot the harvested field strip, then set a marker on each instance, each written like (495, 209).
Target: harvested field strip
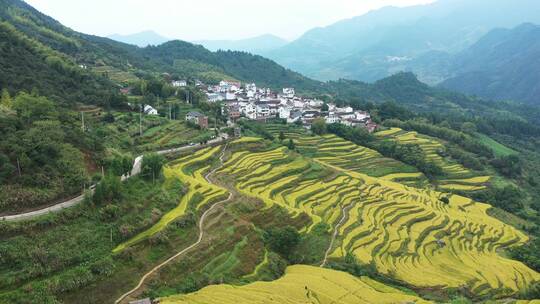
(472, 180)
(461, 187)
(457, 174)
(301, 284)
(400, 176)
(388, 132)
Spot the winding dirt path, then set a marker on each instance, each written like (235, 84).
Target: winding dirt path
(344, 217)
(199, 240)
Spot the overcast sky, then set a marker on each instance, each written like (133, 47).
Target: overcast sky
(207, 19)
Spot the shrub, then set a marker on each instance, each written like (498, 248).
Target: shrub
(282, 240)
(108, 190)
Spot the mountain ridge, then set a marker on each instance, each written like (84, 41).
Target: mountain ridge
(358, 48)
(140, 39)
(256, 45)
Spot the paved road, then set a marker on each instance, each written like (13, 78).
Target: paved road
(77, 200)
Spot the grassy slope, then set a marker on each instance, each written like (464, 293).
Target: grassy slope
(63, 253)
(498, 148)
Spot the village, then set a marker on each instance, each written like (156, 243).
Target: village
(247, 100)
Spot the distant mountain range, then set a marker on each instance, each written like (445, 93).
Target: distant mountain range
(71, 65)
(255, 45)
(141, 39)
(424, 39)
(504, 64)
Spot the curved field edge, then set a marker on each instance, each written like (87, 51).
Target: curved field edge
(199, 192)
(409, 234)
(300, 284)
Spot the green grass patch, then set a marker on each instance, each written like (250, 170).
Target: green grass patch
(498, 148)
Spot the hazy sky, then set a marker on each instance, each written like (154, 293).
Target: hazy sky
(207, 19)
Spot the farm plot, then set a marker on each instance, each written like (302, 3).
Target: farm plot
(457, 177)
(407, 233)
(189, 170)
(347, 155)
(301, 284)
(170, 134)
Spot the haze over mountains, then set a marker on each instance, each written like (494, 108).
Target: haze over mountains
(256, 45)
(504, 64)
(444, 43)
(374, 45)
(140, 39)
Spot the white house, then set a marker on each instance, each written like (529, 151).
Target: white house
(362, 115)
(179, 83)
(251, 90)
(288, 92)
(214, 97)
(332, 118)
(316, 103)
(295, 116)
(284, 112)
(344, 110)
(263, 110)
(347, 115)
(149, 110)
(298, 104)
(230, 96)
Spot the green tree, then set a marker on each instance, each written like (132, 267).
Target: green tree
(468, 127)
(31, 108)
(318, 126)
(127, 164)
(143, 87)
(282, 240)
(108, 189)
(6, 99)
(6, 168)
(120, 164)
(510, 165)
(325, 107)
(290, 145)
(281, 136)
(151, 166)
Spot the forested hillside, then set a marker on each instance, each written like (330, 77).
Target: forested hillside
(182, 59)
(28, 65)
(503, 65)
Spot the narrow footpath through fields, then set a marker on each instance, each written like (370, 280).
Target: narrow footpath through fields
(199, 240)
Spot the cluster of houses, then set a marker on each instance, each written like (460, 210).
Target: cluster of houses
(261, 104)
(255, 103)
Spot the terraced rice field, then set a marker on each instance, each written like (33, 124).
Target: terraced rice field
(347, 155)
(189, 170)
(458, 177)
(407, 233)
(171, 134)
(301, 284)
